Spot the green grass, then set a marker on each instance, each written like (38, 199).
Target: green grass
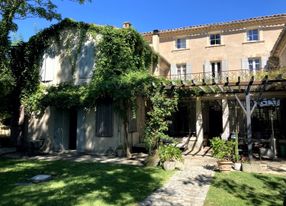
(77, 183)
(240, 189)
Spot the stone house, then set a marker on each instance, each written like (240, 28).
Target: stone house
(220, 60)
(98, 130)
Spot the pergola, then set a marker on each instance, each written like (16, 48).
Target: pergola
(245, 89)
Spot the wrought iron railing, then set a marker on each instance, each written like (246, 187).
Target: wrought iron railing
(221, 77)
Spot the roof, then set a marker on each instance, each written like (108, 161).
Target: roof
(271, 19)
(279, 44)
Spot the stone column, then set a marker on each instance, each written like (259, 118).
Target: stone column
(199, 122)
(225, 120)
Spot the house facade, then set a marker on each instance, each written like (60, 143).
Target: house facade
(98, 130)
(213, 57)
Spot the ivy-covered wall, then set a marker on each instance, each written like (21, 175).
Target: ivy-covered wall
(81, 64)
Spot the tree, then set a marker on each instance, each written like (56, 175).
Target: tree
(11, 73)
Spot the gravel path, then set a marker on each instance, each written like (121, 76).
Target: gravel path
(188, 187)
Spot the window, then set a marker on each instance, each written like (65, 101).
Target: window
(215, 39)
(216, 69)
(254, 64)
(182, 71)
(181, 43)
(104, 119)
(253, 35)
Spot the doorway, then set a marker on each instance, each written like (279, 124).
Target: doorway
(73, 129)
(215, 120)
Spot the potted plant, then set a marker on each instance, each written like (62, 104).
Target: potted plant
(223, 151)
(169, 156)
(120, 151)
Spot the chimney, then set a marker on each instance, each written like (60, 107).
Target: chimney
(155, 40)
(126, 25)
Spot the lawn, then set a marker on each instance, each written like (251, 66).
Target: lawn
(240, 189)
(77, 183)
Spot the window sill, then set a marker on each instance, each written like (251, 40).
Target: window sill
(217, 45)
(253, 42)
(177, 50)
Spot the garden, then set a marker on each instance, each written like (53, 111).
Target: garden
(76, 183)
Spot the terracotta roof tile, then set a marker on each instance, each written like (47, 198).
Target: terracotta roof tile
(255, 19)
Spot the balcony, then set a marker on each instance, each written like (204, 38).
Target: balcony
(228, 76)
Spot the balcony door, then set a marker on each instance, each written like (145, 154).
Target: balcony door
(216, 69)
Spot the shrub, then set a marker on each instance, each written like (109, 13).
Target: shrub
(222, 149)
(169, 153)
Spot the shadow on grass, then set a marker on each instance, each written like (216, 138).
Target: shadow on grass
(77, 183)
(250, 188)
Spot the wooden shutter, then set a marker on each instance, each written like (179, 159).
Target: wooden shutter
(173, 71)
(244, 63)
(224, 66)
(104, 119)
(49, 66)
(188, 71)
(207, 67)
(86, 61)
(263, 62)
(47, 69)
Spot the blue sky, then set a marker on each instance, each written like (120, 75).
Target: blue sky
(147, 15)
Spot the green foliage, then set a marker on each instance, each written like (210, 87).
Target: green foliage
(122, 62)
(169, 153)
(222, 149)
(18, 77)
(163, 106)
(236, 156)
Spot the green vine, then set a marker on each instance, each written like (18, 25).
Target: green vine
(162, 107)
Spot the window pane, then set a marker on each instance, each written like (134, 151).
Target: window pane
(180, 43)
(253, 35)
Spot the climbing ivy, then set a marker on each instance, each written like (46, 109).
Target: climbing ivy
(162, 107)
(122, 62)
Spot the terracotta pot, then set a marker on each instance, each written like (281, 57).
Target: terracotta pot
(224, 165)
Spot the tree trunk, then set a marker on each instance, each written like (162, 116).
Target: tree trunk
(126, 142)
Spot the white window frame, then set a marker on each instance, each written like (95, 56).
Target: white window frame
(254, 64)
(216, 71)
(249, 33)
(181, 71)
(179, 44)
(215, 39)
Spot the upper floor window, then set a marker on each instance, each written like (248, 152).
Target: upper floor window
(254, 64)
(181, 43)
(215, 39)
(182, 71)
(253, 35)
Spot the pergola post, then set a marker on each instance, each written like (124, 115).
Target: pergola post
(199, 121)
(225, 119)
(248, 126)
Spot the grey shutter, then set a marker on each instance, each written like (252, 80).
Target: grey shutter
(86, 61)
(104, 119)
(173, 71)
(188, 71)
